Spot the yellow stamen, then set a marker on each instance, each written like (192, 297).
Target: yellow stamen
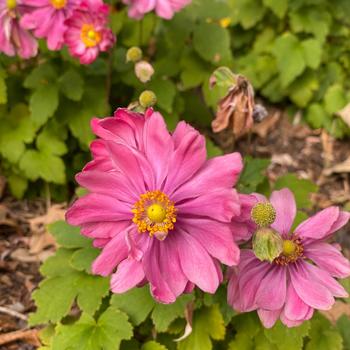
(289, 247)
(154, 213)
(263, 214)
(58, 4)
(292, 251)
(11, 4)
(89, 36)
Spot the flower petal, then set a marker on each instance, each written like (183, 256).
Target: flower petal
(268, 318)
(295, 308)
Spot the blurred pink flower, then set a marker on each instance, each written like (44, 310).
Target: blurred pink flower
(159, 209)
(301, 279)
(13, 38)
(47, 18)
(164, 8)
(87, 33)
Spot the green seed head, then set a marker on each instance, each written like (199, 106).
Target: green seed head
(147, 99)
(263, 214)
(134, 54)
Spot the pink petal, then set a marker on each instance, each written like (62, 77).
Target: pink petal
(104, 229)
(112, 254)
(319, 225)
(129, 274)
(295, 308)
(271, 293)
(311, 292)
(284, 203)
(196, 263)
(97, 207)
(328, 258)
(268, 318)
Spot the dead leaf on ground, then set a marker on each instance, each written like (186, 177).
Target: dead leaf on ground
(339, 309)
(343, 167)
(262, 129)
(345, 114)
(7, 224)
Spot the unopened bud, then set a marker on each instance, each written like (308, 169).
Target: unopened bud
(263, 214)
(147, 99)
(144, 71)
(134, 54)
(267, 244)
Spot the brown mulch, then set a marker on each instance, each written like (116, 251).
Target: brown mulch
(292, 146)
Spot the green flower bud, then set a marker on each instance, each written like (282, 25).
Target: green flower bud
(147, 99)
(267, 244)
(263, 214)
(134, 54)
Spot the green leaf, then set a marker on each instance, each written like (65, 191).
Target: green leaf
(43, 103)
(104, 334)
(334, 99)
(316, 116)
(312, 52)
(247, 324)
(278, 7)
(164, 314)
(137, 303)
(212, 43)
(3, 87)
(323, 336)
(165, 91)
(153, 345)
(207, 324)
(290, 57)
(301, 188)
(242, 342)
(58, 264)
(48, 142)
(248, 12)
(343, 325)
(72, 85)
(194, 71)
(68, 236)
(37, 165)
(212, 149)
(18, 185)
(42, 75)
(287, 338)
(82, 259)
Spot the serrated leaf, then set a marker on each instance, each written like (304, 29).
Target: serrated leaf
(48, 142)
(72, 85)
(207, 324)
(334, 99)
(137, 303)
(82, 259)
(302, 90)
(278, 7)
(153, 345)
(248, 12)
(287, 338)
(43, 103)
(3, 88)
(290, 57)
(68, 236)
(41, 75)
(194, 71)
(165, 91)
(164, 314)
(104, 334)
(242, 342)
(58, 264)
(212, 43)
(316, 115)
(301, 188)
(247, 323)
(212, 149)
(323, 336)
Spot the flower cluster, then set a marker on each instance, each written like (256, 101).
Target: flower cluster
(165, 215)
(79, 24)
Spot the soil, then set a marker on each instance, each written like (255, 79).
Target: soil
(293, 147)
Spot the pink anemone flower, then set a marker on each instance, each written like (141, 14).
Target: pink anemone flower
(47, 18)
(13, 38)
(164, 8)
(87, 33)
(301, 279)
(156, 206)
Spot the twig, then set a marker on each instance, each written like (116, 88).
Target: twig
(31, 334)
(6, 310)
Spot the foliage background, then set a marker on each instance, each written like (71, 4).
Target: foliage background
(295, 53)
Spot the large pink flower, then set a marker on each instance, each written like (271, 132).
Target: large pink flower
(159, 209)
(87, 33)
(164, 8)
(13, 38)
(47, 19)
(301, 279)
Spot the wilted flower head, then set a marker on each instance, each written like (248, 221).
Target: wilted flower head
(163, 8)
(158, 209)
(301, 278)
(87, 33)
(47, 19)
(144, 71)
(14, 39)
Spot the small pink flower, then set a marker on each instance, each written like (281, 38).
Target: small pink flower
(87, 33)
(47, 19)
(301, 279)
(158, 209)
(164, 8)
(13, 38)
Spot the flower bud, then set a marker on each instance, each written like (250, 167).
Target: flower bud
(143, 71)
(263, 214)
(147, 99)
(134, 54)
(267, 244)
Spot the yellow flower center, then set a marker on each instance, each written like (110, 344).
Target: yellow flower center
(154, 213)
(89, 36)
(292, 251)
(11, 4)
(58, 4)
(263, 214)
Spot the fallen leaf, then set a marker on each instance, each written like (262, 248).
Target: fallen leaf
(343, 167)
(262, 129)
(345, 114)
